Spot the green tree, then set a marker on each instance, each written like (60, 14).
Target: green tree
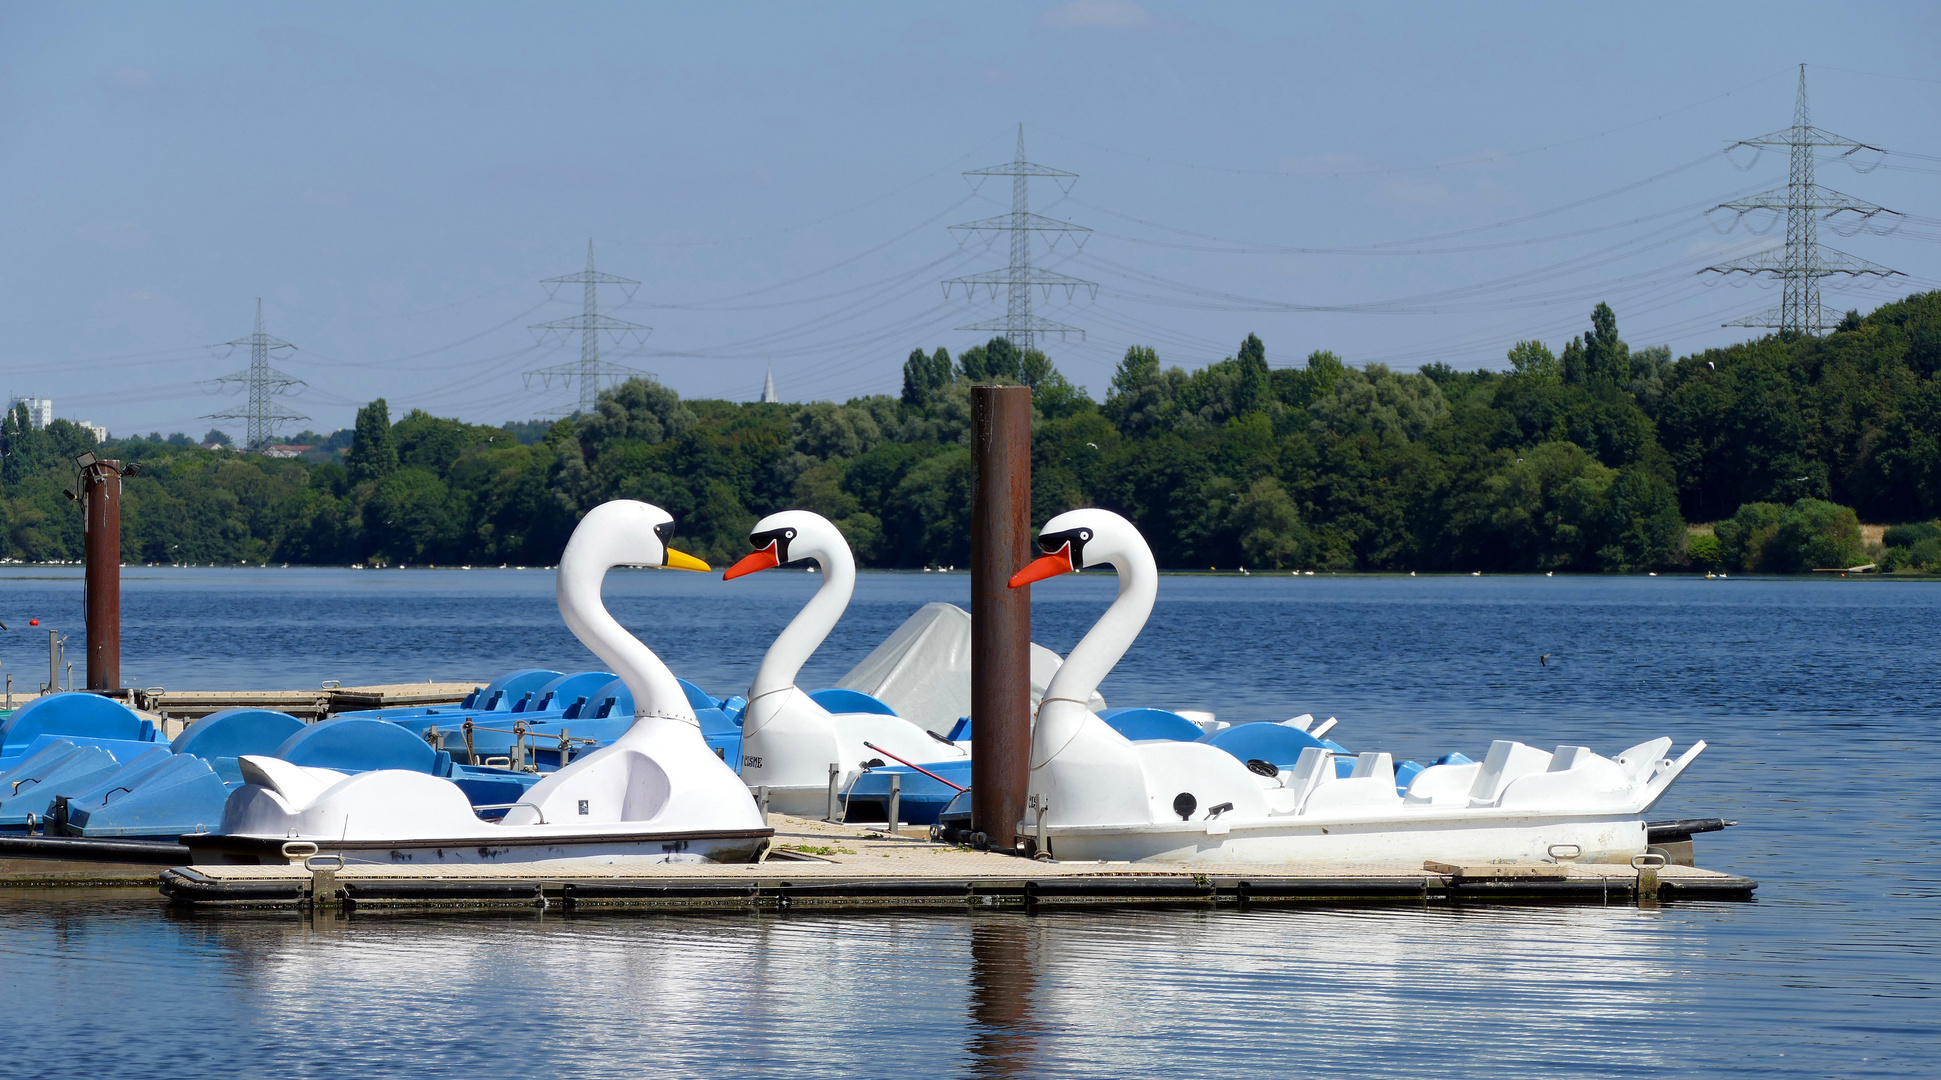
(1534, 360)
(22, 448)
(1272, 533)
(925, 378)
(1255, 387)
(1814, 534)
(373, 452)
(1607, 359)
(1706, 552)
(997, 360)
(1140, 397)
(64, 440)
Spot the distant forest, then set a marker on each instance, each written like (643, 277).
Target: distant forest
(1591, 457)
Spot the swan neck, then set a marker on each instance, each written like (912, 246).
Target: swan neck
(655, 690)
(806, 632)
(1095, 655)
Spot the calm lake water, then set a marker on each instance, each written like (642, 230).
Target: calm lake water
(1818, 698)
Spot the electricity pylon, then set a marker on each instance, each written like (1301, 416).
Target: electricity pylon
(1802, 262)
(263, 384)
(591, 370)
(1019, 325)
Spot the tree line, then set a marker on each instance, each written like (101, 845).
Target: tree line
(1592, 456)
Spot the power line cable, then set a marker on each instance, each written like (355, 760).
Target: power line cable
(1480, 159)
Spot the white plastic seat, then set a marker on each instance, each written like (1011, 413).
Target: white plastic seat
(1372, 784)
(1576, 778)
(1506, 762)
(1443, 785)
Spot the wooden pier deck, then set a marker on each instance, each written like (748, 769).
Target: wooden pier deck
(174, 710)
(815, 864)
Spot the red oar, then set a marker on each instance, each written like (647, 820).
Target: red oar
(917, 767)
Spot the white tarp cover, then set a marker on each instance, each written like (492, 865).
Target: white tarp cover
(923, 669)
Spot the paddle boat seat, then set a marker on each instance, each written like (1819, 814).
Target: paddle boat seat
(356, 744)
(921, 799)
(838, 700)
(167, 796)
(29, 789)
(1369, 785)
(221, 737)
(1276, 744)
(585, 706)
(1143, 725)
(80, 718)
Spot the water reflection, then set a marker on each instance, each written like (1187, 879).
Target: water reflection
(1004, 1031)
(998, 995)
(1354, 992)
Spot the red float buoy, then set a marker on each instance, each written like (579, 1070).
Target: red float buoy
(33, 622)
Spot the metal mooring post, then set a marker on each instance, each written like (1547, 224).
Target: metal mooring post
(896, 802)
(101, 547)
(1000, 615)
(835, 776)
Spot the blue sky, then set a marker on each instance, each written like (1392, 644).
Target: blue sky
(395, 180)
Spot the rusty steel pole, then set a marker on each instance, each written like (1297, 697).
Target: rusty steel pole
(1000, 616)
(101, 545)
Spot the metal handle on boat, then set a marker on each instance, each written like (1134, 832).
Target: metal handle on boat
(1650, 860)
(317, 862)
(1562, 852)
(915, 766)
(298, 849)
(535, 809)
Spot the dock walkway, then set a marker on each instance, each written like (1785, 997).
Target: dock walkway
(816, 864)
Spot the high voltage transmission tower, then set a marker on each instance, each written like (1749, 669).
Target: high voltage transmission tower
(1802, 262)
(591, 370)
(262, 382)
(1018, 280)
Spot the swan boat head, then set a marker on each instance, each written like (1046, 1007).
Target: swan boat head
(797, 536)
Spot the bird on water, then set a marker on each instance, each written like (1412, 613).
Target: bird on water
(1544, 660)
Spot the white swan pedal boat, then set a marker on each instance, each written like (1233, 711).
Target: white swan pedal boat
(657, 791)
(788, 740)
(1095, 794)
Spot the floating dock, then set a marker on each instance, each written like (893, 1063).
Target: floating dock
(173, 710)
(820, 865)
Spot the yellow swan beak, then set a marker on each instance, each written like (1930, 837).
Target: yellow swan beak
(681, 560)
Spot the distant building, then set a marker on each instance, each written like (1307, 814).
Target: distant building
(286, 451)
(100, 433)
(768, 387)
(40, 410)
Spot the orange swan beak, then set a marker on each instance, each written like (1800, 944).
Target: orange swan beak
(752, 562)
(1050, 566)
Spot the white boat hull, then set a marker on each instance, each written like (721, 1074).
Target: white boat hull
(727, 846)
(1596, 839)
